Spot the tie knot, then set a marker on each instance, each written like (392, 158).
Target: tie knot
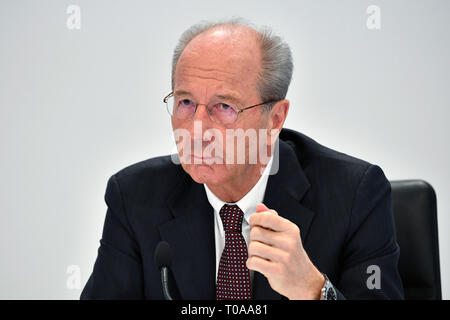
(231, 216)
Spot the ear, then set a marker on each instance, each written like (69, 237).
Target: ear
(276, 118)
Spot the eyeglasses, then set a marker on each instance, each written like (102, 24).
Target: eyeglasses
(224, 113)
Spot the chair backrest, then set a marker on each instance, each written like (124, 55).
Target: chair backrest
(415, 214)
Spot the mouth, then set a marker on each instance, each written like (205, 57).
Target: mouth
(204, 159)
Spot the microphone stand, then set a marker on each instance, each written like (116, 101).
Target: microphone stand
(165, 282)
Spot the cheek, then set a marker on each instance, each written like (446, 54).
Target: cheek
(177, 123)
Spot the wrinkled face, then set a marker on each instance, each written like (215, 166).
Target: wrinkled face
(218, 68)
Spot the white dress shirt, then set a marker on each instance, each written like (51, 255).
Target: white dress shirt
(247, 204)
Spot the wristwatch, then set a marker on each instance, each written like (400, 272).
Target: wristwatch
(328, 292)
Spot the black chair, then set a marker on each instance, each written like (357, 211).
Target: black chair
(415, 214)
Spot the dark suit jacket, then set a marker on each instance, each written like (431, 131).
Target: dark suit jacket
(341, 204)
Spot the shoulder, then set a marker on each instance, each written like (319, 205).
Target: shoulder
(330, 171)
(163, 166)
(148, 178)
(316, 158)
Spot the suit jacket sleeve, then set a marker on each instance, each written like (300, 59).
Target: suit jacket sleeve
(371, 241)
(117, 270)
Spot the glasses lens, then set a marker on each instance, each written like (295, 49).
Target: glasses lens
(180, 108)
(223, 113)
(184, 108)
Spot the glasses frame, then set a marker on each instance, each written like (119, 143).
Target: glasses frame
(239, 111)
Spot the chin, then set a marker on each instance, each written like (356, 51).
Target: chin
(202, 173)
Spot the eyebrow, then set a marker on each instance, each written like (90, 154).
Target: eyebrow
(226, 97)
(182, 92)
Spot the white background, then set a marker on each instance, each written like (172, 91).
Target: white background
(76, 106)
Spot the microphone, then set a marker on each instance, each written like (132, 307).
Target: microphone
(163, 261)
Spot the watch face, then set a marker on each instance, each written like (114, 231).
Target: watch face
(331, 294)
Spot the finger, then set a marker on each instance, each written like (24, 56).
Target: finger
(260, 207)
(261, 265)
(266, 236)
(264, 251)
(270, 221)
(272, 238)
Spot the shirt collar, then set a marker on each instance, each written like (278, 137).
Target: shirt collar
(248, 203)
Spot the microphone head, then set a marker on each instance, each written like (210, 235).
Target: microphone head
(162, 255)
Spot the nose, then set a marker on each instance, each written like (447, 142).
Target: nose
(201, 113)
(202, 121)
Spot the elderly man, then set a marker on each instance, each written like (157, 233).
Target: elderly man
(304, 222)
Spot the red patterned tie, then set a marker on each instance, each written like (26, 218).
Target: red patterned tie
(233, 279)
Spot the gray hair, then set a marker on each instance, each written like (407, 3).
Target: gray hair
(276, 65)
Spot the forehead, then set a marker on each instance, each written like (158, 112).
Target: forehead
(220, 59)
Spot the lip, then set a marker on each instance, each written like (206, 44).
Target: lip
(203, 158)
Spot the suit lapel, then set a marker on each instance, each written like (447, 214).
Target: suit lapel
(285, 189)
(191, 237)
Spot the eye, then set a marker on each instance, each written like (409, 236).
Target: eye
(224, 106)
(186, 102)
(223, 113)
